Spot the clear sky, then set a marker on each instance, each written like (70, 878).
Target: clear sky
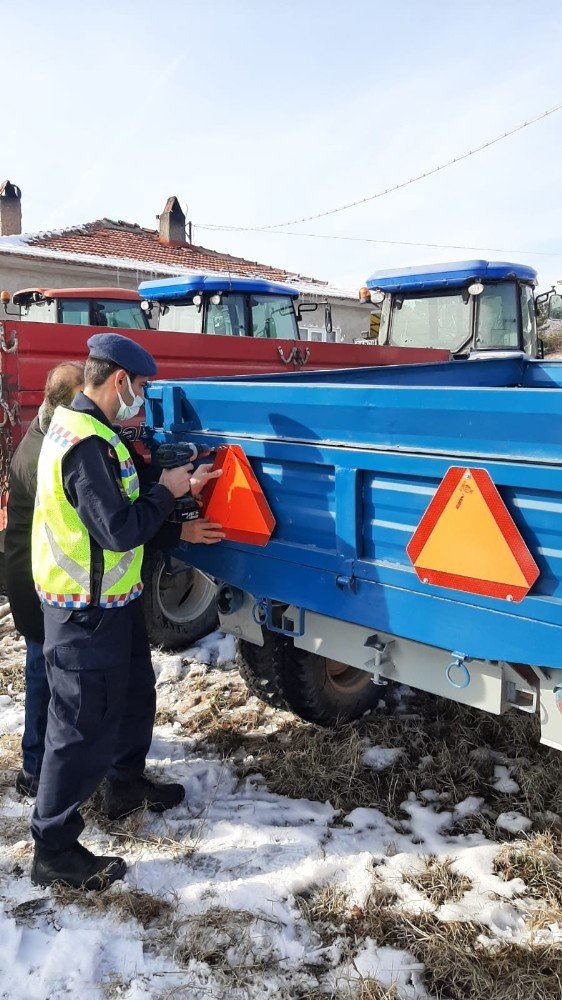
(257, 113)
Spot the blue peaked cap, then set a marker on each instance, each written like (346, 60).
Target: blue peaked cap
(124, 352)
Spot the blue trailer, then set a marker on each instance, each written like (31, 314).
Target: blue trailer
(349, 461)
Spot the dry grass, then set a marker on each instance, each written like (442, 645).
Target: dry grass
(325, 908)
(438, 882)
(448, 748)
(537, 866)
(370, 989)
(206, 937)
(128, 904)
(457, 964)
(12, 674)
(10, 759)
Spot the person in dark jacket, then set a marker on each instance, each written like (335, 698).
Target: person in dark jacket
(63, 382)
(90, 524)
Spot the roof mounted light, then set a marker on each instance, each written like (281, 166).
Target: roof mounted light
(216, 299)
(364, 294)
(146, 305)
(4, 297)
(476, 288)
(197, 299)
(377, 296)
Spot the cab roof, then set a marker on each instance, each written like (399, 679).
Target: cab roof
(123, 294)
(457, 274)
(168, 289)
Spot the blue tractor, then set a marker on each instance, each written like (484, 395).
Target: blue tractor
(467, 307)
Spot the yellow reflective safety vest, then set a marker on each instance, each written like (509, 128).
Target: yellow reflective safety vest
(61, 555)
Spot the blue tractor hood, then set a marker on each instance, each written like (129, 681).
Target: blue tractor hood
(457, 274)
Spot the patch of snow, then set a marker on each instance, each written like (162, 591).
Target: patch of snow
(504, 782)
(379, 758)
(513, 822)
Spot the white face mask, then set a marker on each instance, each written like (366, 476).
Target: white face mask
(127, 411)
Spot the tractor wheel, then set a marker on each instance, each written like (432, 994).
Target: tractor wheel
(180, 606)
(260, 668)
(326, 691)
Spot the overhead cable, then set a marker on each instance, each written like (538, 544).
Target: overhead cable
(395, 187)
(369, 239)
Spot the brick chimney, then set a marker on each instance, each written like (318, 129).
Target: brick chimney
(172, 222)
(10, 209)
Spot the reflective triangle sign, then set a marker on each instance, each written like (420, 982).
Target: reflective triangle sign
(236, 499)
(467, 540)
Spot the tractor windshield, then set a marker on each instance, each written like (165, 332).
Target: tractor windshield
(430, 321)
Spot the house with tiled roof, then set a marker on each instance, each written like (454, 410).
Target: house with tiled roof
(109, 252)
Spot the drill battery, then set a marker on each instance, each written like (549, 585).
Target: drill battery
(172, 456)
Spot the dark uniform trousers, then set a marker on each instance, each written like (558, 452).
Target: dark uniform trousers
(101, 712)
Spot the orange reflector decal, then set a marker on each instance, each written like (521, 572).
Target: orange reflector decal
(467, 540)
(236, 499)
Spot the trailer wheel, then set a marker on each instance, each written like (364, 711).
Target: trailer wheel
(325, 691)
(261, 669)
(179, 607)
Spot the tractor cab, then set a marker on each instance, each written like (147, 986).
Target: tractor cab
(466, 307)
(117, 308)
(220, 305)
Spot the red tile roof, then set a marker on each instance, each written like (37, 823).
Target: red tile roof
(107, 238)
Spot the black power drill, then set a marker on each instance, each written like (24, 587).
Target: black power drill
(172, 456)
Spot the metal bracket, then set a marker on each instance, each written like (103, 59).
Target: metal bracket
(382, 654)
(262, 613)
(10, 348)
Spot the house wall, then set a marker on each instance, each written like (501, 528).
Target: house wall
(29, 272)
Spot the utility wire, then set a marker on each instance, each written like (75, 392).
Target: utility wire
(395, 187)
(419, 177)
(368, 239)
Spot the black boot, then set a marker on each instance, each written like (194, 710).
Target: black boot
(121, 798)
(27, 784)
(77, 868)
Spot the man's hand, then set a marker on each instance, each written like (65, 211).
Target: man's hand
(202, 477)
(177, 481)
(202, 531)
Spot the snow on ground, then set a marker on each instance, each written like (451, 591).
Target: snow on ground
(245, 892)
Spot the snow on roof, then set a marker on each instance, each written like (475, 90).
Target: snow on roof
(110, 243)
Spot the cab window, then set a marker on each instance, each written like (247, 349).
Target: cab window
(273, 317)
(497, 317)
(227, 318)
(39, 312)
(75, 311)
(528, 318)
(180, 317)
(121, 315)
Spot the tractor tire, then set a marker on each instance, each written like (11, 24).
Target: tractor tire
(260, 668)
(325, 691)
(180, 607)
(316, 689)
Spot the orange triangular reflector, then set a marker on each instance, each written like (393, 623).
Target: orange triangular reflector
(467, 540)
(236, 499)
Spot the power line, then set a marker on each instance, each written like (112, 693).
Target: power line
(368, 239)
(395, 187)
(419, 177)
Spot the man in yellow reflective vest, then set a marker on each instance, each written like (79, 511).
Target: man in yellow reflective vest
(90, 524)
